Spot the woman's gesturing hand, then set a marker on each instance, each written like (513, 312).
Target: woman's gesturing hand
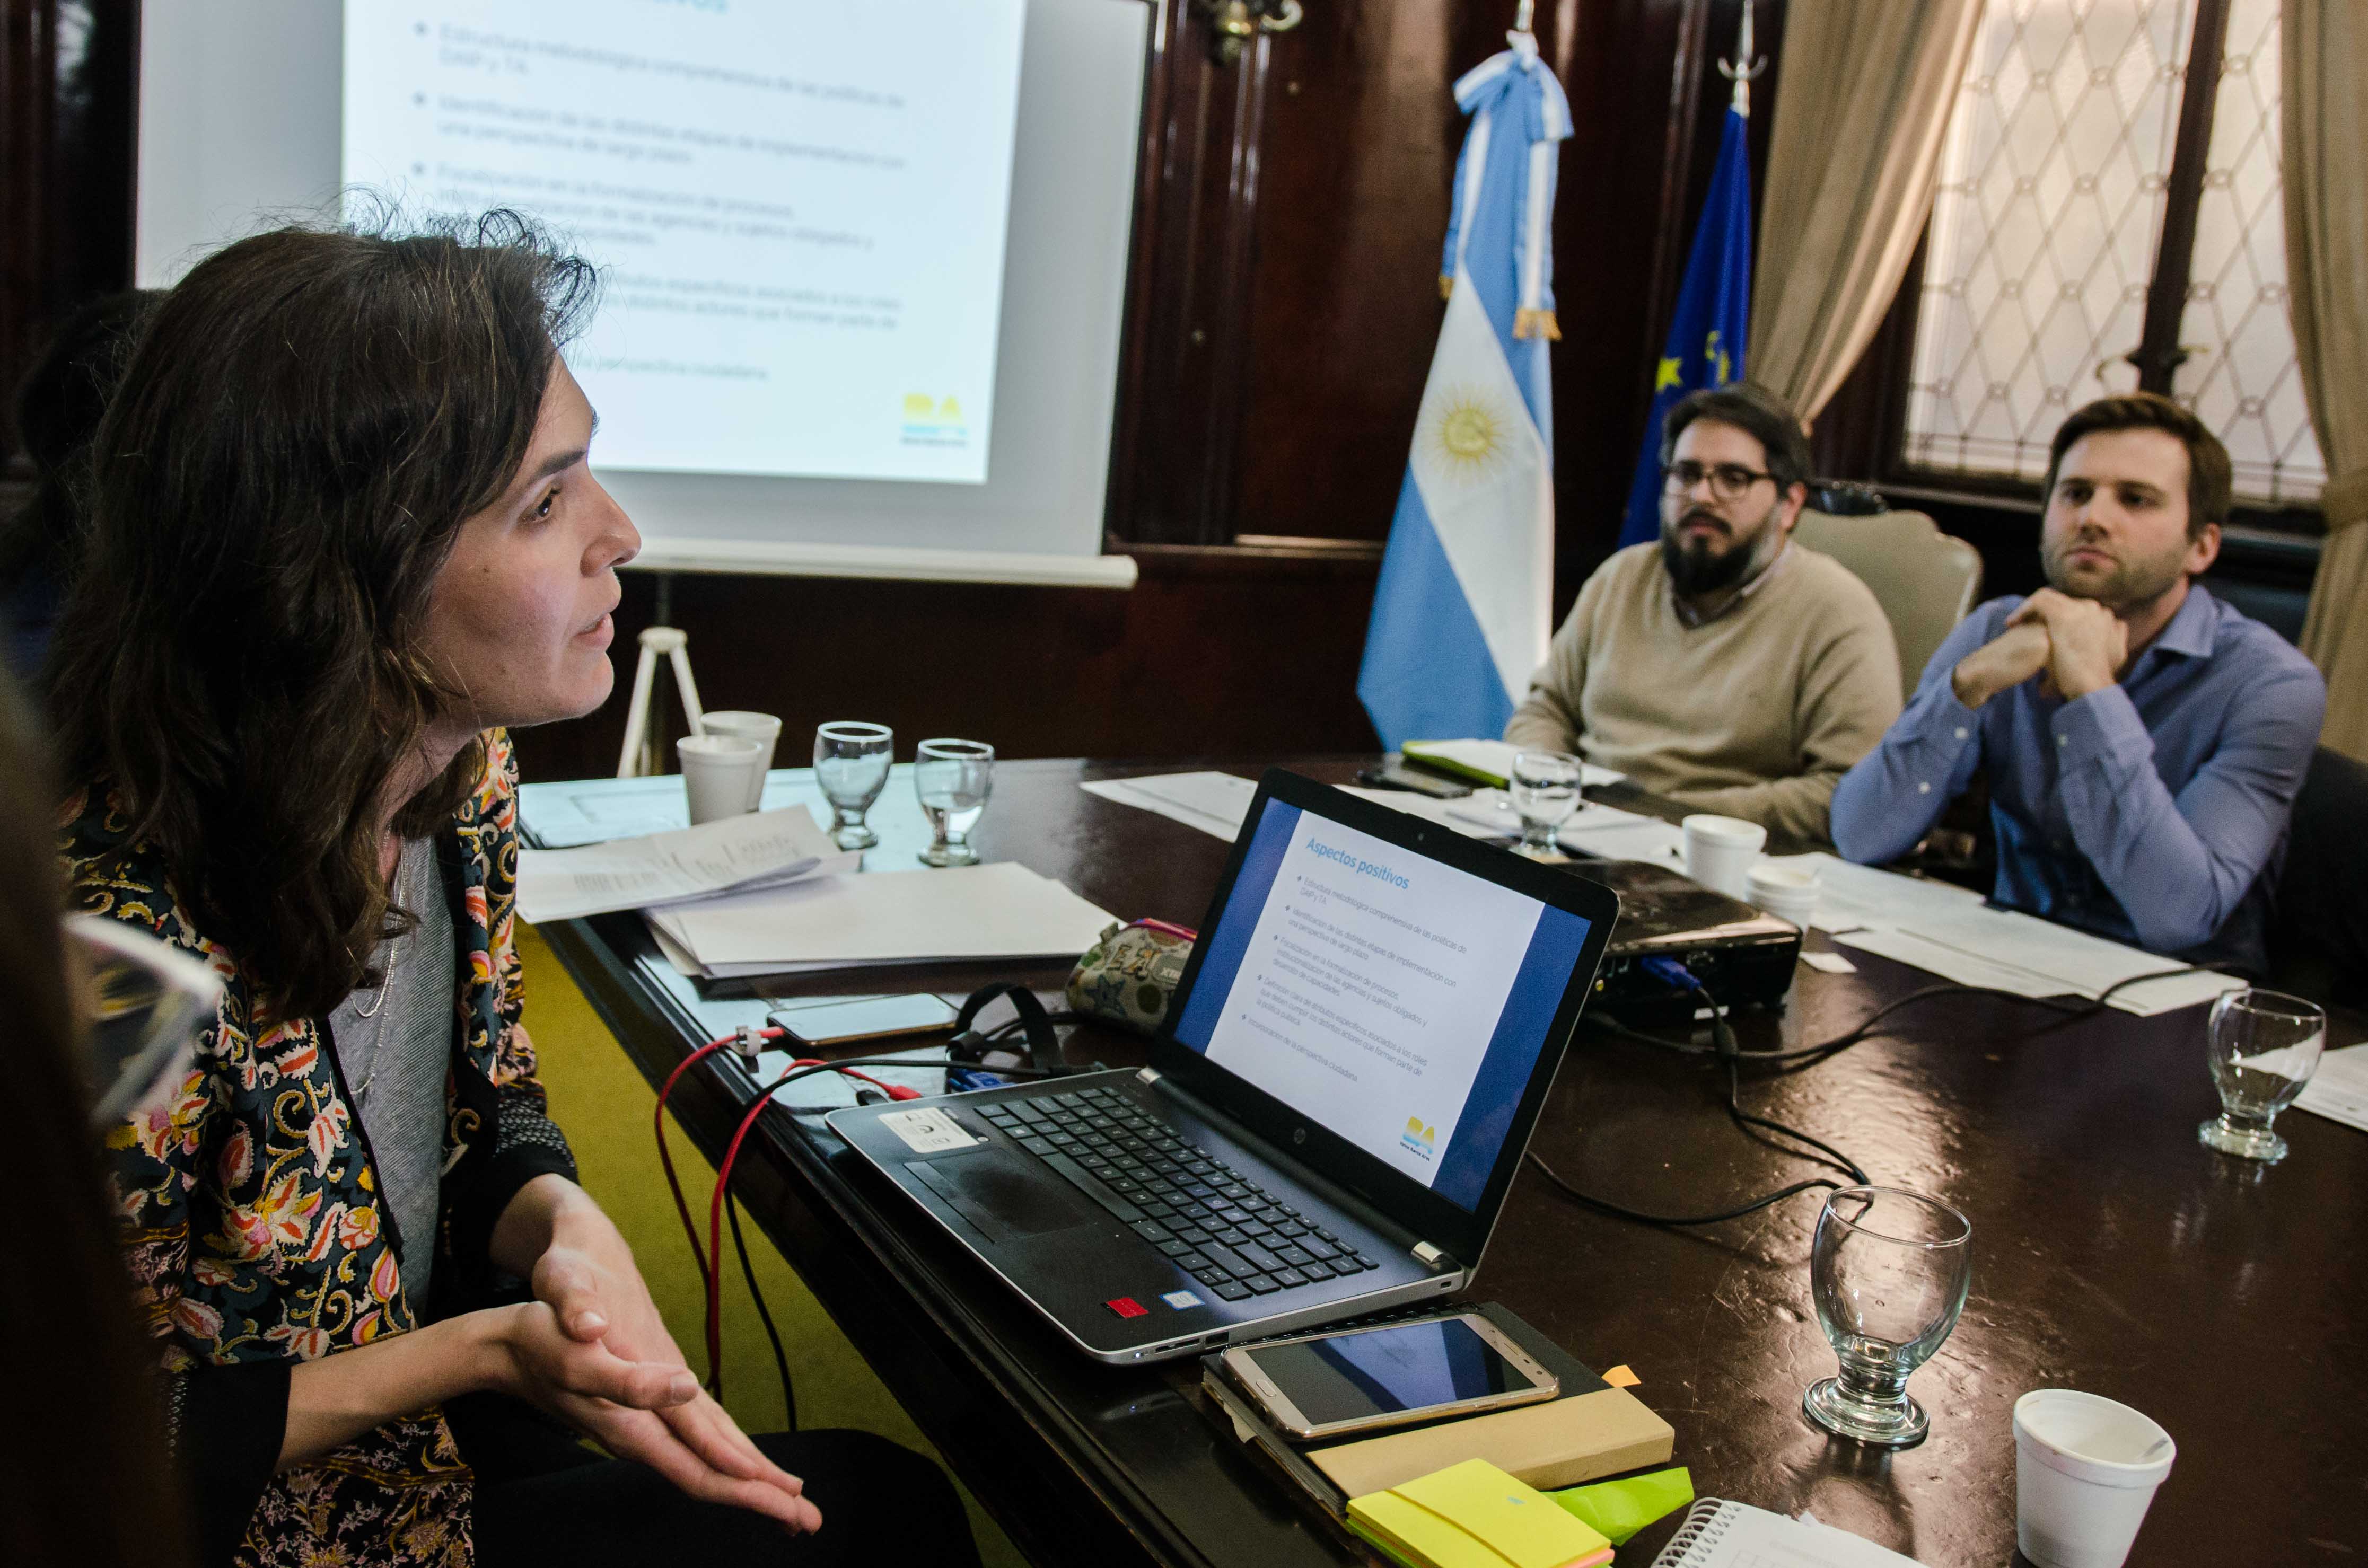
(640, 1410)
(588, 1279)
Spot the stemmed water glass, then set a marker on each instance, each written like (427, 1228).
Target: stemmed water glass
(2264, 1047)
(851, 763)
(1888, 1271)
(1544, 789)
(953, 779)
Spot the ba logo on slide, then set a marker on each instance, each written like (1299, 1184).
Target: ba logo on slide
(934, 422)
(1417, 1138)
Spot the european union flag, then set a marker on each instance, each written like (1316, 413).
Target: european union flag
(1705, 344)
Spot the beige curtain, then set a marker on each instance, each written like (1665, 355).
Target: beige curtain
(1868, 88)
(2326, 59)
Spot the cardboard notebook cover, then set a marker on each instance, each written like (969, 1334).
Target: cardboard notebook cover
(1591, 1431)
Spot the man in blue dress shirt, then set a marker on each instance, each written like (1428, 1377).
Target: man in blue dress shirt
(2143, 741)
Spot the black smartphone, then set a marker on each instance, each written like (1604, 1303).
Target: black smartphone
(1396, 776)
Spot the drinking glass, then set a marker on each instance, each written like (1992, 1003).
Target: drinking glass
(1544, 788)
(851, 768)
(952, 778)
(1888, 1271)
(2264, 1047)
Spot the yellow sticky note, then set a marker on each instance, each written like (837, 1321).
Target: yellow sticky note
(1517, 1523)
(1619, 1376)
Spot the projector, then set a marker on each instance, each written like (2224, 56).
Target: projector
(1744, 958)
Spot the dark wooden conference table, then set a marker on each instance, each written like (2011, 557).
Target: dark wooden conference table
(2113, 1253)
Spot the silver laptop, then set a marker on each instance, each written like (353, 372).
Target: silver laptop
(1351, 1065)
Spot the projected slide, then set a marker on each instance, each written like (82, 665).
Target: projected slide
(799, 208)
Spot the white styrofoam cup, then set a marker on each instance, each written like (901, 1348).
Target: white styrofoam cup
(2085, 1469)
(1719, 852)
(764, 729)
(715, 774)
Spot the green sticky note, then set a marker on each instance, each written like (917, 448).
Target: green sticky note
(1619, 1508)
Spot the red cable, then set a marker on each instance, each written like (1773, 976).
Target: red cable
(707, 1277)
(724, 1180)
(709, 1260)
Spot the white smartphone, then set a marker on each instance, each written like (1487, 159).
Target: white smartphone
(834, 1020)
(1315, 1386)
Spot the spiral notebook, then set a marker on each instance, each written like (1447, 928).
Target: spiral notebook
(1736, 1535)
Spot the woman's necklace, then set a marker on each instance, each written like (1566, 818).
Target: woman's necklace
(386, 975)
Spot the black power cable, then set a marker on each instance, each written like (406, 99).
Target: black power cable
(1813, 1184)
(748, 1272)
(1724, 1047)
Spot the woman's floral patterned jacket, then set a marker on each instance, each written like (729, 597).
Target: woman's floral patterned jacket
(253, 1225)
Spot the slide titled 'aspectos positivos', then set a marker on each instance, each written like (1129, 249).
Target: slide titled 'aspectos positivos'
(1400, 1002)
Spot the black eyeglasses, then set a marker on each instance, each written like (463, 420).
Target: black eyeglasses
(1728, 482)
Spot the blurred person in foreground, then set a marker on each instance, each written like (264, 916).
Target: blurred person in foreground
(86, 1481)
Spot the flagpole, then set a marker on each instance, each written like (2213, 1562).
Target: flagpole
(1743, 70)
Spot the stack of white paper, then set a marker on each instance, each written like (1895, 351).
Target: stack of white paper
(977, 913)
(735, 855)
(1953, 933)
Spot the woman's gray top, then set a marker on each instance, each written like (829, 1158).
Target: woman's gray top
(395, 1046)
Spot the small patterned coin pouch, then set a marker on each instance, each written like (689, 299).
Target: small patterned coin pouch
(1128, 976)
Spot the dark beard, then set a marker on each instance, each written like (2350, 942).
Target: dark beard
(1697, 572)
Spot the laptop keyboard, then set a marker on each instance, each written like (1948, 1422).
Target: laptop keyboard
(1222, 1229)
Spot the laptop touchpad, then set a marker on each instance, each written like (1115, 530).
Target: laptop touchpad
(1003, 1199)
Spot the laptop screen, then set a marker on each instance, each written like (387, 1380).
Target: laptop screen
(1399, 1002)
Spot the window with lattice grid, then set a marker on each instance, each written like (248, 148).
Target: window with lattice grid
(2046, 230)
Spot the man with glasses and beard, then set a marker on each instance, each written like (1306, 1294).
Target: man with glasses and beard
(2144, 742)
(1727, 665)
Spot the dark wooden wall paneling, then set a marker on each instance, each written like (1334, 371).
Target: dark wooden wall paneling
(67, 120)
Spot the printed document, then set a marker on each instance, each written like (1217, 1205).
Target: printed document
(2339, 1090)
(736, 854)
(566, 812)
(1213, 802)
(1954, 933)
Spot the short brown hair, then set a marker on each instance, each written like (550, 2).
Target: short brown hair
(2211, 481)
(1755, 411)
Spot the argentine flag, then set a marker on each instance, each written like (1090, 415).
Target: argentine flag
(1460, 617)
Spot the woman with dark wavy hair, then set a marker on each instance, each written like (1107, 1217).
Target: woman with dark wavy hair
(343, 535)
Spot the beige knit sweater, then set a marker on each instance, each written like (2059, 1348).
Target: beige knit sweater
(1755, 714)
